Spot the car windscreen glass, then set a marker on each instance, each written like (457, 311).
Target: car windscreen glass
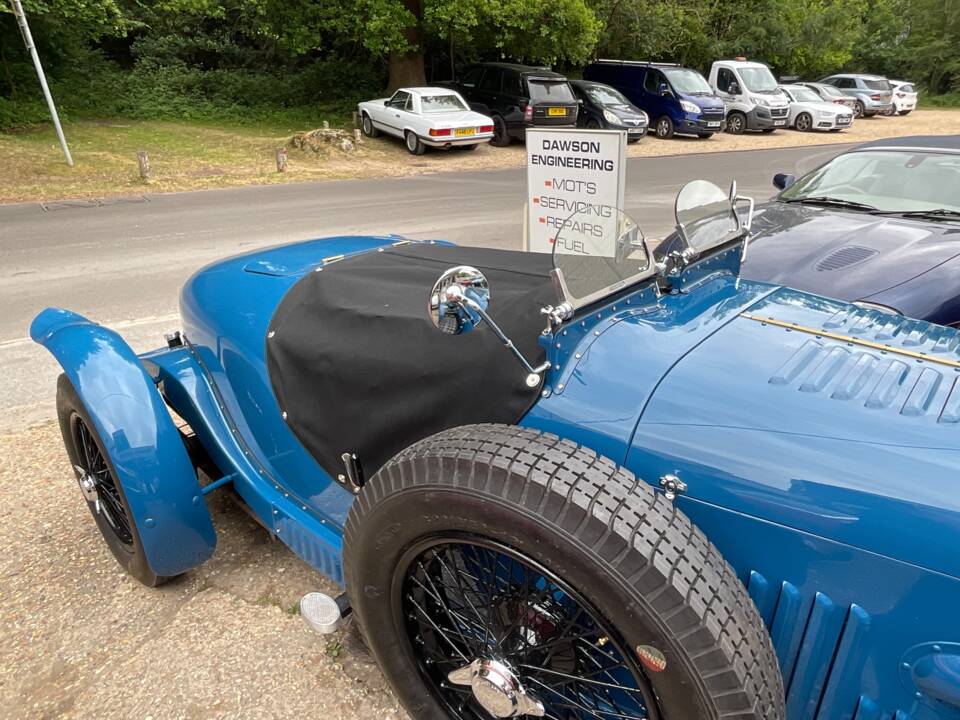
(758, 79)
(888, 180)
(877, 85)
(604, 95)
(599, 250)
(550, 91)
(804, 95)
(441, 103)
(906, 89)
(830, 90)
(688, 81)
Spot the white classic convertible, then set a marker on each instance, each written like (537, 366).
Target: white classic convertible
(426, 116)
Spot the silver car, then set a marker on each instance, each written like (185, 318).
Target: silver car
(830, 94)
(871, 93)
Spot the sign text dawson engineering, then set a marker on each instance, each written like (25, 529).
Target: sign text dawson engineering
(587, 147)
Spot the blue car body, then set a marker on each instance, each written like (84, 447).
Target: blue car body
(640, 82)
(820, 444)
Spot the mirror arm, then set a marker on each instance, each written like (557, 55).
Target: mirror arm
(533, 376)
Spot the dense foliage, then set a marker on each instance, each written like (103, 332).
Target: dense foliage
(247, 58)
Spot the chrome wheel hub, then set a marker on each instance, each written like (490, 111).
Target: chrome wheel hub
(497, 689)
(88, 486)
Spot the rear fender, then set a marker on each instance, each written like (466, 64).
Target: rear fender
(137, 432)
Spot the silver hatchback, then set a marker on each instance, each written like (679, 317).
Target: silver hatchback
(872, 94)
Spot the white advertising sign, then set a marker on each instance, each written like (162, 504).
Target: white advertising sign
(571, 171)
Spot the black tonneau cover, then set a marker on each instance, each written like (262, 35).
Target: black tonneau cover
(358, 366)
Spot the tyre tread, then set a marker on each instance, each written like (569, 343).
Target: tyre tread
(607, 508)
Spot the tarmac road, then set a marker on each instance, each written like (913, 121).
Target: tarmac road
(80, 639)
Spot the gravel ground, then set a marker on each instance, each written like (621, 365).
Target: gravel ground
(81, 639)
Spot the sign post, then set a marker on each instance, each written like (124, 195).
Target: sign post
(32, 49)
(568, 171)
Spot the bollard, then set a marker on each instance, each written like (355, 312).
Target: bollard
(357, 139)
(144, 162)
(281, 159)
(326, 125)
(356, 119)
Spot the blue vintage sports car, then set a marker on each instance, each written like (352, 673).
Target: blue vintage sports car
(582, 486)
(879, 225)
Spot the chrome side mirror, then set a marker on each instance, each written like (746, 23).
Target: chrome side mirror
(458, 300)
(458, 304)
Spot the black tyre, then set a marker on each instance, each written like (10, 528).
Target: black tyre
(366, 124)
(859, 110)
(804, 122)
(593, 124)
(521, 554)
(905, 112)
(103, 492)
(413, 143)
(736, 123)
(664, 127)
(501, 138)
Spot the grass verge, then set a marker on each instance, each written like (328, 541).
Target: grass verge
(195, 155)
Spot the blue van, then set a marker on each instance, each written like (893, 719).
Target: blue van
(677, 99)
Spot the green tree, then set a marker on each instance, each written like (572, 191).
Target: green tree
(401, 30)
(931, 46)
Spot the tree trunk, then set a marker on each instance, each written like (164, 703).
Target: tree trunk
(407, 68)
(453, 67)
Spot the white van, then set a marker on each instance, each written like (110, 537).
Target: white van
(750, 94)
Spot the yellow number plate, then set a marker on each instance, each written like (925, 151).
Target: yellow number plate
(556, 111)
(460, 132)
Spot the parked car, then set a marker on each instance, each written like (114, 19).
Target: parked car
(904, 99)
(426, 117)
(878, 225)
(872, 94)
(603, 107)
(553, 541)
(809, 112)
(831, 94)
(677, 99)
(750, 94)
(518, 97)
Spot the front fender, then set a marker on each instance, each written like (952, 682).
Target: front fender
(137, 432)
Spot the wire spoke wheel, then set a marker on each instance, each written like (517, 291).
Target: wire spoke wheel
(501, 572)
(473, 605)
(98, 481)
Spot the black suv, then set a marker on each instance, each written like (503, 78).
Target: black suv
(518, 97)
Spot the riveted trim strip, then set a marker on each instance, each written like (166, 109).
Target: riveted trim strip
(820, 333)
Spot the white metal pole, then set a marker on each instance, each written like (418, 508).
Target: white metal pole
(28, 40)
